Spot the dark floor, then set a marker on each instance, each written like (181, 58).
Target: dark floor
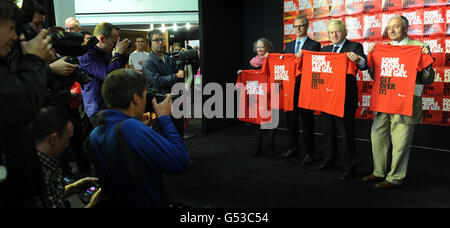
(226, 176)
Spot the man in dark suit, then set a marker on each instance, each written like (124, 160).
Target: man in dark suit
(337, 33)
(301, 26)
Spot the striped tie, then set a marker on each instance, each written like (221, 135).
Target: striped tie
(335, 48)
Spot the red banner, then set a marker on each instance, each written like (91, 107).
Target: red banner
(434, 24)
(306, 8)
(415, 19)
(321, 8)
(432, 109)
(372, 27)
(412, 4)
(372, 6)
(355, 29)
(337, 8)
(437, 47)
(434, 3)
(320, 30)
(354, 7)
(392, 5)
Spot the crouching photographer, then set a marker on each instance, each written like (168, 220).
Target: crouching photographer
(131, 157)
(22, 92)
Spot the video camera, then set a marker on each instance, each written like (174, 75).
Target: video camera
(186, 57)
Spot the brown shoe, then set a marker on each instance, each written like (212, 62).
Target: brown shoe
(385, 184)
(372, 179)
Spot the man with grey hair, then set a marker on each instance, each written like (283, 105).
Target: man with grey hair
(301, 25)
(72, 25)
(398, 129)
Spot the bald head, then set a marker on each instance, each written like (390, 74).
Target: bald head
(398, 28)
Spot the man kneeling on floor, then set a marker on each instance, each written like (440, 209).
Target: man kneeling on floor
(130, 156)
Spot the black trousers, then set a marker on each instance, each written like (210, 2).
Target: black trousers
(307, 118)
(345, 127)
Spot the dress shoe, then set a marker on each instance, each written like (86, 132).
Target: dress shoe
(323, 167)
(372, 179)
(290, 153)
(348, 176)
(307, 160)
(385, 185)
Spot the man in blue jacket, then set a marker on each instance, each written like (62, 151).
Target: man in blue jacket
(130, 156)
(99, 62)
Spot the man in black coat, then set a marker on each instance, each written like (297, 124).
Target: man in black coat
(22, 93)
(301, 26)
(337, 33)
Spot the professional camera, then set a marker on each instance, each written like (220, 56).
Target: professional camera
(186, 57)
(154, 93)
(79, 75)
(130, 43)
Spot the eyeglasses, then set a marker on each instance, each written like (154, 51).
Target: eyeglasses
(395, 27)
(159, 40)
(299, 26)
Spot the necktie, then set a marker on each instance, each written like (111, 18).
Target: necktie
(335, 48)
(297, 47)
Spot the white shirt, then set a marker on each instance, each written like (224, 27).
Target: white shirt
(137, 59)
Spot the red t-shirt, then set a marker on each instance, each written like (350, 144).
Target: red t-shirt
(254, 103)
(396, 70)
(323, 81)
(282, 70)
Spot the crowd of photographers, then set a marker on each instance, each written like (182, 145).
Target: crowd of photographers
(66, 96)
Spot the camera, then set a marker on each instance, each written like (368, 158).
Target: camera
(186, 57)
(130, 43)
(160, 97)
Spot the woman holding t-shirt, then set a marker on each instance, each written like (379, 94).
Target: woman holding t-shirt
(261, 47)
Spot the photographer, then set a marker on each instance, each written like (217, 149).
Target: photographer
(22, 93)
(99, 62)
(130, 156)
(52, 131)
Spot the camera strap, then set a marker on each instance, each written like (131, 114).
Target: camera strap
(130, 164)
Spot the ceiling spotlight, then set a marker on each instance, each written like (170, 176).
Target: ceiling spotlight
(152, 27)
(188, 26)
(175, 28)
(163, 28)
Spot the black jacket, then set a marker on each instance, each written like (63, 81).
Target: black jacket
(351, 94)
(310, 45)
(21, 95)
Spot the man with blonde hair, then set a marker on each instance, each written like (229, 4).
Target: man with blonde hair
(337, 33)
(99, 62)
